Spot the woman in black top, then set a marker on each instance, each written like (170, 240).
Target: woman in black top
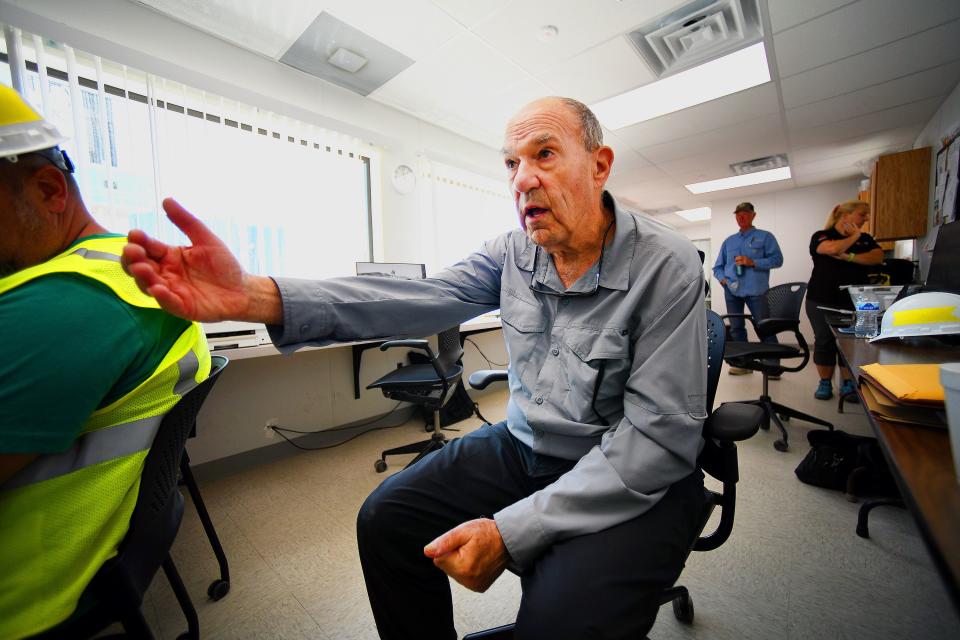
(842, 255)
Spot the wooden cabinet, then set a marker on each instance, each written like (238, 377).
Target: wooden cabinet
(899, 193)
(886, 245)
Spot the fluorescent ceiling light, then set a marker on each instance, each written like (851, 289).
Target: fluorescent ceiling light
(759, 177)
(735, 72)
(695, 215)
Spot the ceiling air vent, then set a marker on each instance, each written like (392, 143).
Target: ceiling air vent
(759, 164)
(696, 33)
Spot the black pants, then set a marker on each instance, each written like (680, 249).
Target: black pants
(602, 585)
(824, 344)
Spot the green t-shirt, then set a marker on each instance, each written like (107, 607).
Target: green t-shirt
(68, 346)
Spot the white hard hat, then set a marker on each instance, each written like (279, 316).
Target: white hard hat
(933, 313)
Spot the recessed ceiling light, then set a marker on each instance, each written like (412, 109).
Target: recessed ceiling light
(759, 177)
(695, 215)
(732, 73)
(347, 60)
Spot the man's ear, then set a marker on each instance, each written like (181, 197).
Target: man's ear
(51, 187)
(604, 161)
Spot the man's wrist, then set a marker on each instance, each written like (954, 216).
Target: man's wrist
(264, 302)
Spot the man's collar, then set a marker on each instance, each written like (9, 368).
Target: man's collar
(617, 255)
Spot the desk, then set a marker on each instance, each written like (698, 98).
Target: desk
(480, 324)
(919, 457)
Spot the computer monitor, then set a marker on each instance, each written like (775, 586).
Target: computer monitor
(944, 272)
(405, 270)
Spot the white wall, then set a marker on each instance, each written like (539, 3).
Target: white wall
(792, 216)
(945, 121)
(311, 390)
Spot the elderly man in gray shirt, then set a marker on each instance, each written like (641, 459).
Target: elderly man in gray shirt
(589, 489)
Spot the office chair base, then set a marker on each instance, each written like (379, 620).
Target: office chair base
(436, 441)
(863, 529)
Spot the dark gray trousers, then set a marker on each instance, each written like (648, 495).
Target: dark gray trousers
(602, 585)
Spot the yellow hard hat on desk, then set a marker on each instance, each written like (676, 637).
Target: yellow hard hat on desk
(23, 130)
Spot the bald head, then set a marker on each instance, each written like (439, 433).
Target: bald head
(585, 120)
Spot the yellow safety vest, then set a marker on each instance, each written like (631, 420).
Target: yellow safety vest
(64, 515)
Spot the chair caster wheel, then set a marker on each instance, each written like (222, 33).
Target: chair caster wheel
(218, 589)
(780, 445)
(380, 465)
(683, 609)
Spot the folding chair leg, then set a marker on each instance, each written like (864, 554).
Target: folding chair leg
(183, 598)
(134, 624)
(218, 588)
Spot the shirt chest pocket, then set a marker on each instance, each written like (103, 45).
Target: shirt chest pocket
(596, 367)
(524, 322)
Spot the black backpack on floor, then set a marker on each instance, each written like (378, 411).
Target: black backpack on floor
(848, 463)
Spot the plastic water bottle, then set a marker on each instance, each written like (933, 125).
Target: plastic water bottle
(739, 269)
(868, 315)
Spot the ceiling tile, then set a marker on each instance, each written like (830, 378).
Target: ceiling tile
(462, 71)
(764, 128)
(265, 27)
(789, 13)
(470, 12)
(897, 139)
(492, 108)
(513, 31)
(603, 71)
(855, 28)
(738, 107)
(624, 158)
(820, 177)
(918, 86)
(715, 162)
(914, 113)
(918, 52)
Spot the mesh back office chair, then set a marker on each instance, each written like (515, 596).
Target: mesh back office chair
(730, 423)
(783, 304)
(430, 385)
(118, 587)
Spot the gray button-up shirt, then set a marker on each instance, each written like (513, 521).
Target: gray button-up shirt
(615, 380)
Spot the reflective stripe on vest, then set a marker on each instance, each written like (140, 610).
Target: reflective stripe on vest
(95, 255)
(105, 444)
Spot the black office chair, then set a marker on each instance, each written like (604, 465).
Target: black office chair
(429, 385)
(783, 304)
(117, 589)
(220, 587)
(730, 423)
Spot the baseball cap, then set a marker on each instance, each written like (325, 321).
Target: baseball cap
(744, 206)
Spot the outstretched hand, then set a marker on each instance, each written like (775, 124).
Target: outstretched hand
(202, 282)
(472, 553)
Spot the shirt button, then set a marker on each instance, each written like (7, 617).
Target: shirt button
(555, 351)
(539, 400)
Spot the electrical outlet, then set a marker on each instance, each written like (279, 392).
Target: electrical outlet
(268, 431)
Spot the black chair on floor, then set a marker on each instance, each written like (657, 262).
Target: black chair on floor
(730, 423)
(783, 304)
(220, 587)
(430, 385)
(116, 591)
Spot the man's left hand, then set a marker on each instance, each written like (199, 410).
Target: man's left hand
(744, 261)
(472, 553)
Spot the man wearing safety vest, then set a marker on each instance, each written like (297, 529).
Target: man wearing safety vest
(88, 368)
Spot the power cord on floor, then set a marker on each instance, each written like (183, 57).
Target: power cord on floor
(483, 355)
(279, 431)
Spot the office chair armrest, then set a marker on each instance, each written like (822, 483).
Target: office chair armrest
(423, 345)
(773, 326)
(746, 316)
(481, 379)
(733, 422)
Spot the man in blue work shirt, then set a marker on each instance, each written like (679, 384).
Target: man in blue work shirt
(743, 268)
